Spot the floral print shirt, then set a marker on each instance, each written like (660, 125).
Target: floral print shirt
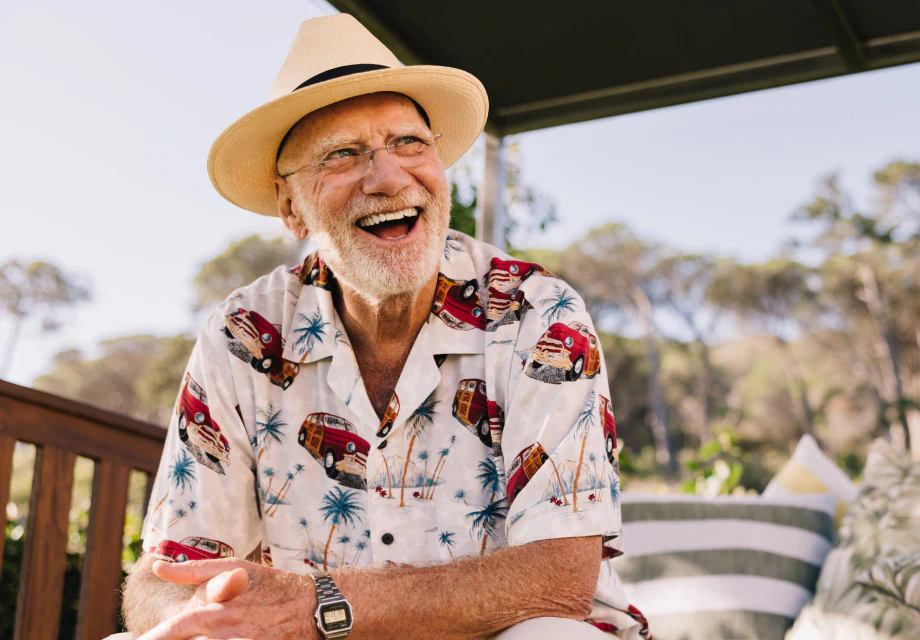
(500, 430)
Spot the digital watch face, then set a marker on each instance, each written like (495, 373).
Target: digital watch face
(335, 617)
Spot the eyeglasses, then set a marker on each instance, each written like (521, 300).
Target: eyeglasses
(408, 151)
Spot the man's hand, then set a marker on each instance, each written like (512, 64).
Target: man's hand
(237, 599)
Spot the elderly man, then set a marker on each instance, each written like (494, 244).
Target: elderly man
(410, 432)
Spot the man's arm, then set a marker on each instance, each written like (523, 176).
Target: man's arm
(469, 598)
(148, 600)
(475, 597)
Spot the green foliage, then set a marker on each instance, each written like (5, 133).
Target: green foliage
(462, 214)
(136, 375)
(35, 289)
(239, 264)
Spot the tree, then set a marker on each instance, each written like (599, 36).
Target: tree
(774, 297)
(138, 375)
(615, 272)
(419, 420)
(869, 277)
(687, 280)
(340, 507)
(242, 262)
(35, 289)
(312, 331)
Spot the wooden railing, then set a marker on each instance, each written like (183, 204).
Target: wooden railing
(61, 430)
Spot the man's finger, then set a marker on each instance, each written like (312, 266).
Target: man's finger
(193, 571)
(191, 624)
(227, 585)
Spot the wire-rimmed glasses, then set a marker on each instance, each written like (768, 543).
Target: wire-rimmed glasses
(409, 150)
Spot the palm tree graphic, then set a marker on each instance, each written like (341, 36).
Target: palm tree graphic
(360, 545)
(450, 244)
(615, 490)
(269, 428)
(420, 419)
(582, 427)
(339, 506)
(344, 540)
(598, 482)
(439, 467)
(180, 513)
(486, 519)
(446, 538)
(560, 303)
(312, 331)
(305, 525)
(282, 493)
(460, 494)
(182, 474)
(423, 456)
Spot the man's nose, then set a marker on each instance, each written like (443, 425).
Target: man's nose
(385, 176)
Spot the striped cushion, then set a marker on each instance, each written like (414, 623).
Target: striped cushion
(734, 567)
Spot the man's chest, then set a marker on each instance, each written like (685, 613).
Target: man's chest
(335, 492)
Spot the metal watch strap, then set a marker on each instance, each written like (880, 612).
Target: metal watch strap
(327, 593)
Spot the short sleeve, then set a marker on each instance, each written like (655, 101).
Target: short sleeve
(203, 503)
(559, 437)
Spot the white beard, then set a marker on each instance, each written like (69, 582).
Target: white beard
(377, 274)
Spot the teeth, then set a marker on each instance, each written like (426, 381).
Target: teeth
(376, 218)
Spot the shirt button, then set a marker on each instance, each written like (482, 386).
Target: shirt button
(387, 538)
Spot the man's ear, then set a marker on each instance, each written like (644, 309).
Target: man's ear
(286, 211)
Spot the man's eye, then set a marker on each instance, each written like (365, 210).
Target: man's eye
(401, 140)
(341, 153)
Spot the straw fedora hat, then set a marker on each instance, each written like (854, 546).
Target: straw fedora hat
(334, 58)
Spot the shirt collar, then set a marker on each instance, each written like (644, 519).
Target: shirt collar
(315, 330)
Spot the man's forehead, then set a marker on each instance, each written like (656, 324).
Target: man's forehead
(357, 116)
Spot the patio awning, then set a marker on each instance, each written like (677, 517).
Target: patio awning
(547, 63)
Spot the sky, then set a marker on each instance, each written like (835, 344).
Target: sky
(109, 109)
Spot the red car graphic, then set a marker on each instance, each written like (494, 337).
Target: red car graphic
(571, 348)
(196, 425)
(458, 304)
(260, 337)
(523, 468)
(496, 426)
(507, 275)
(336, 442)
(193, 549)
(315, 271)
(610, 428)
(471, 409)
(502, 303)
(389, 417)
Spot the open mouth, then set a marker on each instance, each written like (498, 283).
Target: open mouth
(390, 226)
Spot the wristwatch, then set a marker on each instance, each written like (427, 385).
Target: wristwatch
(333, 611)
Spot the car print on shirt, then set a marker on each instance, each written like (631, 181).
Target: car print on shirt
(504, 308)
(192, 548)
(507, 275)
(524, 466)
(284, 375)
(565, 352)
(496, 426)
(458, 304)
(471, 409)
(386, 423)
(260, 337)
(335, 442)
(610, 429)
(196, 428)
(315, 272)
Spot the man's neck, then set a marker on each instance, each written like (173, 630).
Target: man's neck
(383, 331)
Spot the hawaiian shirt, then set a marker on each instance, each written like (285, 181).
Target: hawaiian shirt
(499, 432)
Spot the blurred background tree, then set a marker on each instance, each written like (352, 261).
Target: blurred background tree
(35, 291)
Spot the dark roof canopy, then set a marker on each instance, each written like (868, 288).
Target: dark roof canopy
(551, 63)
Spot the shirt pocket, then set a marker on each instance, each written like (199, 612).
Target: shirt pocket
(403, 534)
